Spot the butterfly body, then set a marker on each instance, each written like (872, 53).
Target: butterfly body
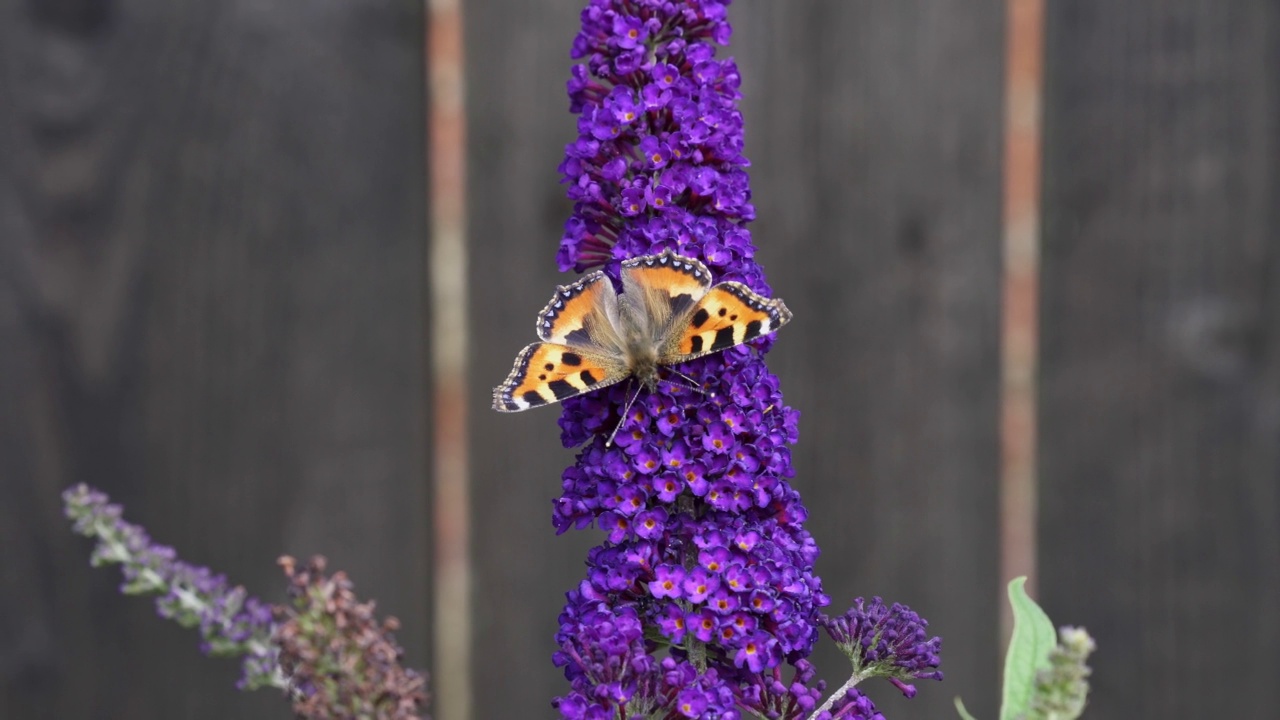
(642, 358)
(668, 312)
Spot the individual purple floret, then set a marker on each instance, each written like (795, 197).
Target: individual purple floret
(889, 642)
(231, 622)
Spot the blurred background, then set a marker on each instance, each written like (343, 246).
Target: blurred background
(262, 262)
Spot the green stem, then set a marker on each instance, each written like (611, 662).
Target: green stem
(697, 649)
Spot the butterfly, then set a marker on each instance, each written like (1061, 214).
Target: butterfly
(668, 312)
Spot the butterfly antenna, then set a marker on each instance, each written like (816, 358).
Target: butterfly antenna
(625, 410)
(693, 384)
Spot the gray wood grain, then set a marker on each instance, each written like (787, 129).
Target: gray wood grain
(875, 133)
(211, 306)
(1160, 420)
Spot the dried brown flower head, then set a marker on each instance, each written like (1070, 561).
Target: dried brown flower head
(341, 662)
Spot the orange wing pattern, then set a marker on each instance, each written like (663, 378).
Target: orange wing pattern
(581, 314)
(730, 314)
(663, 286)
(548, 372)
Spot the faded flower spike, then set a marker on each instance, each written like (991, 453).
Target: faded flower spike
(888, 642)
(326, 650)
(1061, 689)
(231, 622)
(341, 662)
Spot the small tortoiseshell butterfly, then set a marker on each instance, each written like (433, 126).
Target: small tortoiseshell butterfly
(668, 313)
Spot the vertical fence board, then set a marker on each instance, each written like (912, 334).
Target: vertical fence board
(211, 306)
(875, 135)
(517, 65)
(1160, 419)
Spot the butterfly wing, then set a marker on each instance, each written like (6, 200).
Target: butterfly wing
(582, 314)
(667, 297)
(547, 372)
(659, 290)
(728, 315)
(581, 351)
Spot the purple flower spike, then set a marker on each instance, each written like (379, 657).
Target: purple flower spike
(889, 642)
(704, 590)
(726, 589)
(652, 93)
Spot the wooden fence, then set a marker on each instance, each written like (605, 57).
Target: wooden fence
(214, 305)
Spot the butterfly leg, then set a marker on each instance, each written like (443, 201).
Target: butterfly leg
(623, 418)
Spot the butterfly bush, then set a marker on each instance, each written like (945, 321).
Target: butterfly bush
(702, 602)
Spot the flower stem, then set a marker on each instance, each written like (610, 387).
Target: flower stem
(849, 684)
(697, 649)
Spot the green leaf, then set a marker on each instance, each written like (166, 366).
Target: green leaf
(964, 714)
(1033, 638)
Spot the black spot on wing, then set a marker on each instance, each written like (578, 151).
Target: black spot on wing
(533, 398)
(700, 318)
(753, 329)
(695, 344)
(562, 389)
(588, 378)
(571, 359)
(680, 303)
(578, 337)
(724, 339)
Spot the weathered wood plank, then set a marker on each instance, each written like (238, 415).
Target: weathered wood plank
(875, 132)
(1160, 397)
(211, 306)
